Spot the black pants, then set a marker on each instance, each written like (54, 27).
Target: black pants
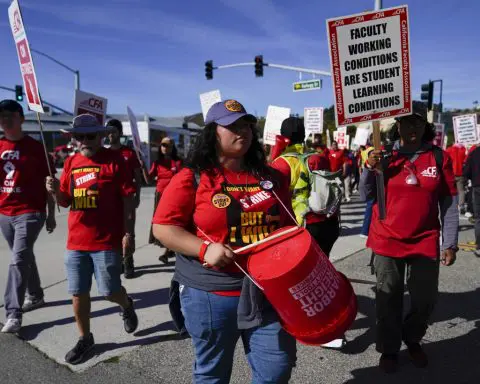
(422, 283)
(325, 233)
(476, 213)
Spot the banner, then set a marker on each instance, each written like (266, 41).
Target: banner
(92, 104)
(370, 61)
(465, 129)
(208, 99)
(25, 58)
(273, 123)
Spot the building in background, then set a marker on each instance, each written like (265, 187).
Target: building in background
(151, 129)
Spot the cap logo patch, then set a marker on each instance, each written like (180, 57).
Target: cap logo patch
(234, 106)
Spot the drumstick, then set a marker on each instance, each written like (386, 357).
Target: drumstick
(247, 247)
(238, 265)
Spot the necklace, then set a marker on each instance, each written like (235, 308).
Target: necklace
(238, 179)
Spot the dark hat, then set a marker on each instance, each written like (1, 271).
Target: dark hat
(11, 106)
(293, 128)
(227, 112)
(85, 123)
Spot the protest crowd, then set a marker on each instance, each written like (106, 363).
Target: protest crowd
(249, 224)
(226, 195)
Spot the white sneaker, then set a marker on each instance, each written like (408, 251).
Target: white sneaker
(12, 326)
(468, 215)
(30, 304)
(335, 344)
(363, 236)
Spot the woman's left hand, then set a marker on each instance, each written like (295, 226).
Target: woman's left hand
(448, 257)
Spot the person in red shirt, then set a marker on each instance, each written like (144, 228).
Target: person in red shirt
(134, 169)
(319, 147)
(336, 157)
(324, 230)
(224, 199)
(458, 153)
(99, 191)
(162, 170)
(23, 198)
(407, 241)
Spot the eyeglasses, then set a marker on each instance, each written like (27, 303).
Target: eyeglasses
(87, 136)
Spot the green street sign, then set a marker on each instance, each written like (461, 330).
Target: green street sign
(308, 85)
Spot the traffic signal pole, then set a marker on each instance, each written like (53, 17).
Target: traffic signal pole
(43, 101)
(278, 66)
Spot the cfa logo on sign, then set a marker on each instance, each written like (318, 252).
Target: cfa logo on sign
(430, 172)
(17, 22)
(10, 155)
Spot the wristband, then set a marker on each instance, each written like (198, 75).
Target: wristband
(203, 251)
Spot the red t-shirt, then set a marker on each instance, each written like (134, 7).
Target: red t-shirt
(337, 158)
(130, 158)
(96, 187)
(164, 170)
(316, 162)
(231, 208)
(458, 155)
(411, 226)
(23, 169)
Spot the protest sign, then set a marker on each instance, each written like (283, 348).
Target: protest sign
(341, 137)
(465, 129)
(134, 129)
(439, 134)
(361, 136)
(313, 120)
(273, 123)
(25, 57)
(92, 104)
(207, 99)
(370, 63)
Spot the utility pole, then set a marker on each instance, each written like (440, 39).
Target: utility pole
(378, 5)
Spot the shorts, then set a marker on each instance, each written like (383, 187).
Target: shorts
(105, 265)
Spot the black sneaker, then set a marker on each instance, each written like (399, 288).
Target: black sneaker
(130, 319)
(388, 362)
(80, 351)
(129, 269)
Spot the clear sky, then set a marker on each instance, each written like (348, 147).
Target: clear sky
(150, 54)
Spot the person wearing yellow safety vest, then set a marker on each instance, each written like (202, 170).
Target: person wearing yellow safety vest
(325, 230)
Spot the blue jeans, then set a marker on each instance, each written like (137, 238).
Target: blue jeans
(368, 217)
(211, 321)
(105, 265)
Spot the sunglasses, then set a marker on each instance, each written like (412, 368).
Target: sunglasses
(82, 137)
(164, 145)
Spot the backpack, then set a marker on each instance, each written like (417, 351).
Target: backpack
(321, 191)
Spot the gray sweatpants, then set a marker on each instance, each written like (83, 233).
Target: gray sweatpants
(21, 232)
(422, 283)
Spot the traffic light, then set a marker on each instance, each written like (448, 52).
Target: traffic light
(259, 66)
(427, 94)
(18, 93)
(209, 69)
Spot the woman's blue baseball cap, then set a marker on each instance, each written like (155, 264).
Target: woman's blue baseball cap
(227, 112)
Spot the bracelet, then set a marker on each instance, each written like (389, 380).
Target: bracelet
(203, 251)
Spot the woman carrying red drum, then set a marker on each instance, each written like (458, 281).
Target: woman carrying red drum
(419, 179)
(227, 198)
(162, 170)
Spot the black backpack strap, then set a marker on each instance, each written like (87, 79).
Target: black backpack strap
(196, 178)
(438, 154)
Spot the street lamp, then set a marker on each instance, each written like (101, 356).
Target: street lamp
(75, 72)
